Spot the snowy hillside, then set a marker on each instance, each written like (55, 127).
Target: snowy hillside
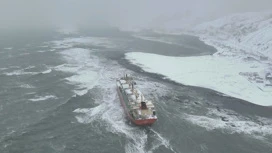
(247, 32)
(241, 67)
(246, 37)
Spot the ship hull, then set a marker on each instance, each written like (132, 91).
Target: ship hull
(142, 122)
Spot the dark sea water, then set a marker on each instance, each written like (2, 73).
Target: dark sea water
(58, 95)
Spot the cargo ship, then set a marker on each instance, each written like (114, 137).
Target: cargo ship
(138, 109)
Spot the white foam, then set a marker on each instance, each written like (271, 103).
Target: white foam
(8, 48)
(214, 72)
(68, 68)
(92, 113)
(30, 93)
(110, 113)
(22, 54)
(41, 51)
(29, 67)
(23, 72)
(86, 80)
(19, 72)
(77, 56)
(42, 98)
(89, 71)
(84, 67)
(258, 127)
(1, 69)
(163, 141)
(27, 86)
(44, 46)
(92, 41)
(47, 71)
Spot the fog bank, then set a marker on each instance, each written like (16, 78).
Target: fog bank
(121, 13)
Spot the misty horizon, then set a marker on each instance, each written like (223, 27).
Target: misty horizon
(152, 13)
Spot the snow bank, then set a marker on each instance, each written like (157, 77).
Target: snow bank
(213, 72)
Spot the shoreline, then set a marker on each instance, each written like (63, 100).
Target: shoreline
(231, 84)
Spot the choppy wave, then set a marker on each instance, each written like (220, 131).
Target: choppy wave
(87, 41)
(110, 112)
(22, 54)
(8, 48)
(47, 71)
(27, 86)
(19, 72)
(41, 51)
(84, 67)
(23, 72)
(162, 141)
(42, 98)
(231, 122)
(89, 71)
(1, 69)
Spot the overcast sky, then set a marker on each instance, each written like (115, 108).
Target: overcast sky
(21, 13)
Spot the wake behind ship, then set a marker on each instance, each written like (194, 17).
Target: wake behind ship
(139, 110)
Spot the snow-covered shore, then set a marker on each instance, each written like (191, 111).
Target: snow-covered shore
(214, 72)
(241, 67)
